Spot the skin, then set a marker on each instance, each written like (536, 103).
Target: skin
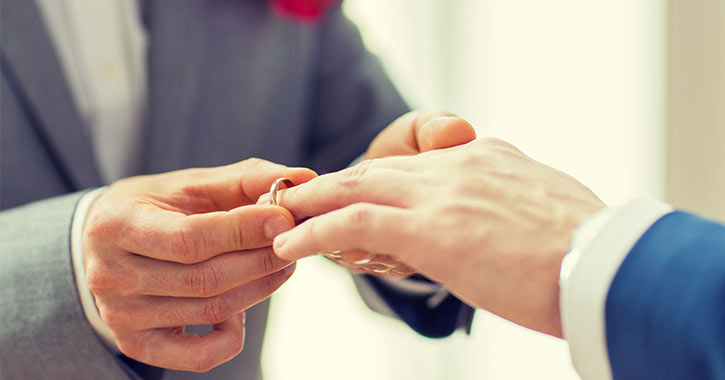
(193, 247)
(410, 134)
(485, 220)
(185, 248)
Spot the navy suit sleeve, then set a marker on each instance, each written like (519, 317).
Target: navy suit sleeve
(433, 322)
(665, 311)
(353, 100)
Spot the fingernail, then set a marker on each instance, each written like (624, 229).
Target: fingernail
(275, 225)
(280, 240)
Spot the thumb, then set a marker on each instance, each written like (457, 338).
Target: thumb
(242, 183)
(444, 132)
(420, 131)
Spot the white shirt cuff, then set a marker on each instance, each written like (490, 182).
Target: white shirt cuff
(599, 247)
(76, 244)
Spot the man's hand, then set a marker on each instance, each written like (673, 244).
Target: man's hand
(485, 220)
(185, 248)
(413, 133)
(417, 132)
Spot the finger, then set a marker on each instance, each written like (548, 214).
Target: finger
(172, 311)
(400, 137)
(362, 226)
(264, 199)
(444, 132)
(179, 350)
(352, 268)
(385, 264)
(188, 239)
(362, 183)
(358, 261)
(206, 279)
(159, 312)
(227, 187)
(356, 256)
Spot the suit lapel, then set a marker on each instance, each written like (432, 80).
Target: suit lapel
(176, 50)
(29, 60)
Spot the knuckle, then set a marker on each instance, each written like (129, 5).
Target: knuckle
(216, 310)
(474, 158)
(358, 217)
(184, 245)
(101, 225)
(313, 231)
(253, 162)
(99, 276)
(464, 187)
(354, 176)
(269, 283)
(204, 362)
(114, 316)
(238, 342)
(266, 285)
(128, 347)
(267, 260)
(205, 280)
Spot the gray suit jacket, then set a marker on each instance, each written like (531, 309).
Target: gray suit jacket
(228, 80)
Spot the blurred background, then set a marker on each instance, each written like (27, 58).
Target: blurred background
(626, 96)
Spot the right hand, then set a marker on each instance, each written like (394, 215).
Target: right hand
(188, 247)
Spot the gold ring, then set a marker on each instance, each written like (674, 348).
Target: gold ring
(275, 187)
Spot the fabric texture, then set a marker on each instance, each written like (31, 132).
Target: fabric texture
(665, 312)
(598, 247)
(44, 334)
(228, 80)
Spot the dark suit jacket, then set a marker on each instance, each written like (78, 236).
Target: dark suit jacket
(228, 80)
(665, 311)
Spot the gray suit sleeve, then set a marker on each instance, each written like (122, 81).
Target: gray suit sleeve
(44, 331)
(353, 98)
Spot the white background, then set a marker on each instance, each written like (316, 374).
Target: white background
(576, 84)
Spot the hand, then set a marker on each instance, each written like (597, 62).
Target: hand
(485, 220)
(419, 131)
(185, 248)
(410, 134)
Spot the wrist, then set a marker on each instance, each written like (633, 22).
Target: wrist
(599, 246)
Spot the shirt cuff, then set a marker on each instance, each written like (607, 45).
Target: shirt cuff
(598, 248)
(76, 244)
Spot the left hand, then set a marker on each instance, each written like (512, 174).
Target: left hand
(483, 219)
(413, 133)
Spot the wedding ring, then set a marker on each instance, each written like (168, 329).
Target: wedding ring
(275, 187)
(364, 261)
(332, 254)
(376, 268)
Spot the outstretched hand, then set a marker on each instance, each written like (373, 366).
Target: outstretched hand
(410, 134)
(483, 219)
